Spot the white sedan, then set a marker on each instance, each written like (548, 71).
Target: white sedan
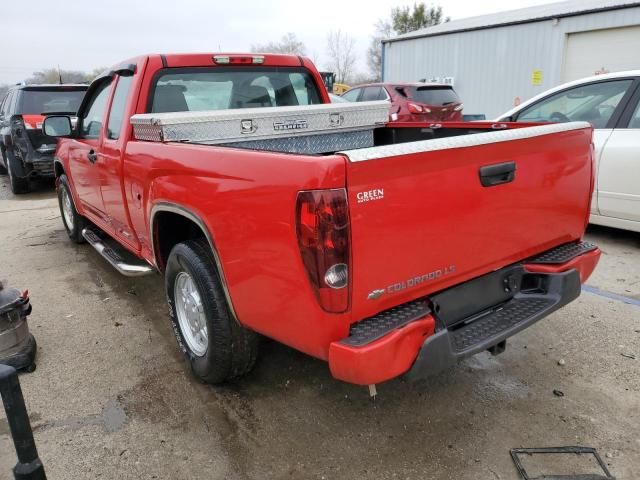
(611, 102)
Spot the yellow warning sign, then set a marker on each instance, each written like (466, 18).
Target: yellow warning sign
(536, 77)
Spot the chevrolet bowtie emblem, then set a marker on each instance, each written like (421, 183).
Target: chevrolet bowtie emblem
(375, 294)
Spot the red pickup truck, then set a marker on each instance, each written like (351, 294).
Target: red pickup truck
(384, 249)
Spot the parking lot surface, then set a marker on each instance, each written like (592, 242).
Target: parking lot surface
(112, 397)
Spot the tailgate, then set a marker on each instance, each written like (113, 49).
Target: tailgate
(422, 220)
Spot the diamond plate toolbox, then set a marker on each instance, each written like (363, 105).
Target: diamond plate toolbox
(266, 123)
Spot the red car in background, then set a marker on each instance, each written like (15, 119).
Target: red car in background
(412, 102)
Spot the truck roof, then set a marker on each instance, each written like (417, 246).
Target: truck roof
(206, 59)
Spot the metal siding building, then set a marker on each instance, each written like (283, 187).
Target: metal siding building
(492, 58)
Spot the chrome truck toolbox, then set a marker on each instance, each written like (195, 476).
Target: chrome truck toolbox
(276, 128)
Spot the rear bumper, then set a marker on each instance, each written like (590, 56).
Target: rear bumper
(39, 165)
(36, 162)
(446, 347)
(429, 344)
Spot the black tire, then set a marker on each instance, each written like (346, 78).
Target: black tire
(78, 221)
(19, 184)
(231, 349)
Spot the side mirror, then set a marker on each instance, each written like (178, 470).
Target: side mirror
(57, 126)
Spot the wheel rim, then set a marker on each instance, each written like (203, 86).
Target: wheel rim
(67, 209)
(190, 312)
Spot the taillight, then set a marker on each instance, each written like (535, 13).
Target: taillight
(322, 218)
(415, 108)
(32, 122)
(458, 108)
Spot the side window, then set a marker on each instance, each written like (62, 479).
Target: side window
(7, 102)
(635, 118)
(3, 103)
(371, 93)
(352, 95)
(116, 115)
(260, 88)
(92, 119)
(300, 88)
(594, 103)
(12, 102)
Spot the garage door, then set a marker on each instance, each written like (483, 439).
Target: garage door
(611, 50)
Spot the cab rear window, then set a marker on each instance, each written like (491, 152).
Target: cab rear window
(181, 90)
(436, 96)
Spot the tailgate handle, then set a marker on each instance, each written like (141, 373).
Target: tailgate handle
(492, 175)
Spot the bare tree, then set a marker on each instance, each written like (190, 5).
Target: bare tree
(342, 55)
(315, 57)
(53, 75)
(383, 30)
(289, 44)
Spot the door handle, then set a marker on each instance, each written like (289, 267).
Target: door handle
(492, 175)
(92, 156)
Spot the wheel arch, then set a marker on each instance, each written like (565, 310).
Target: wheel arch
(58, 168)
(167, 214)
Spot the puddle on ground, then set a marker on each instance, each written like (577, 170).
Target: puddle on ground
(112, 418)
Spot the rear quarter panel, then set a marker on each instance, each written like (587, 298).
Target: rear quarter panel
(247, 201)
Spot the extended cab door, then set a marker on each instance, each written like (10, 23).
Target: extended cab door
(84, 151)
(619, 170)
(110, 162)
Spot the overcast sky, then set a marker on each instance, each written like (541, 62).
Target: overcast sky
(85, 34)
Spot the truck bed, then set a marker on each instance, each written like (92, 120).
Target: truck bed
(423, 215)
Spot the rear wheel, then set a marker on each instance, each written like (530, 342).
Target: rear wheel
(18, 183)
(73, 222)
(216, 346)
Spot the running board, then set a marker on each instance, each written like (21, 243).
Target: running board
(119, 258)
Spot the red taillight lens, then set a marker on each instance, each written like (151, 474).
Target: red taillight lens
(415, 108)
(322, 218)
(32, 122)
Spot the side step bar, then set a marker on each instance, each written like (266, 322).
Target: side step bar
(119, 258)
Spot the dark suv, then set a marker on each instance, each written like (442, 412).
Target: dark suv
(412, 102)
(25, 151)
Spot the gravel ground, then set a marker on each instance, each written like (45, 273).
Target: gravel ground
(111, 397)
